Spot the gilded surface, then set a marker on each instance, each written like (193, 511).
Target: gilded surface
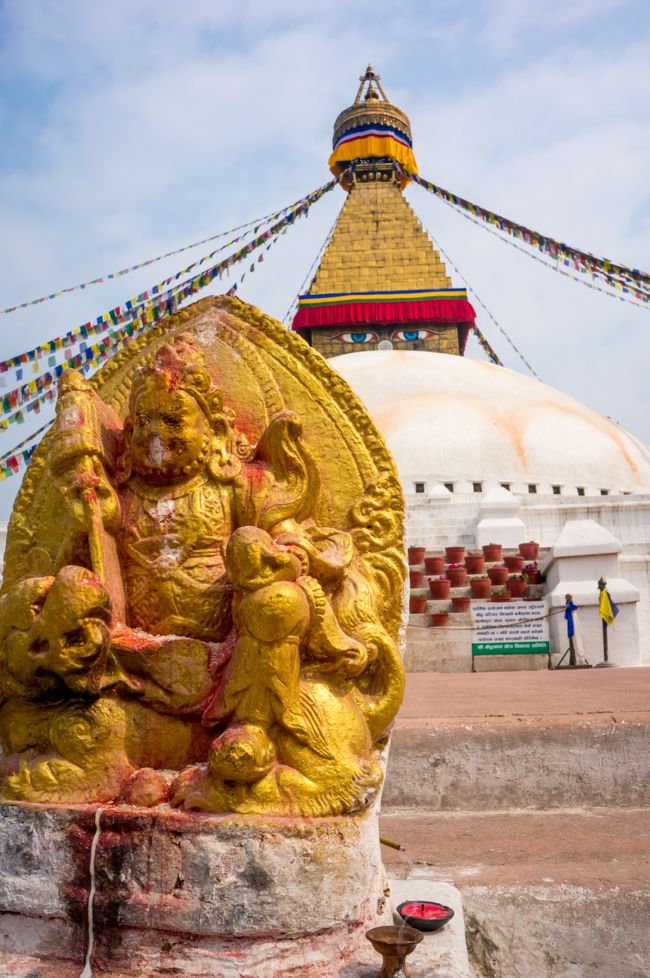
(203, 581)
(379, 244)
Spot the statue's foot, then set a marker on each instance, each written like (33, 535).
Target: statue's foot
(57, 781)
(194, 790)
(242, 753)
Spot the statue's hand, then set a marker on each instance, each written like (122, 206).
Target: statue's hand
(86, 487)
(173, 674)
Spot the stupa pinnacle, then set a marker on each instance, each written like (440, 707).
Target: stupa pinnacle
(372, 129)
(380, 284)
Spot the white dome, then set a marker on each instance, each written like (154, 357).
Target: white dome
(449, 418)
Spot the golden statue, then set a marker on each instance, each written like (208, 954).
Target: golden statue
(203, 582)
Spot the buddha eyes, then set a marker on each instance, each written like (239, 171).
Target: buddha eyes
(399, 335)
(365, 337)
(410, 335)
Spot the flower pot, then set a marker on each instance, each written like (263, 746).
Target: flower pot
(498, 575)
(481, 587)
(456, 576)
(417, 578)
(516, 587)
(492, 552)
(533, 577)
(439, 589)
(500, 598)
(460, 604)
(529, 551)
(455, 555)
(418, 604)
(416, 555)
(514, 563)
(475, 563)
(434, 565)
(440, 619)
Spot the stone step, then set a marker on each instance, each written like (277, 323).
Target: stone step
(457, 619)
(441, 657)
(546, 894)
(525, 740)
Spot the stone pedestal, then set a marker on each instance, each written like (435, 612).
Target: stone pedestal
(193, 895)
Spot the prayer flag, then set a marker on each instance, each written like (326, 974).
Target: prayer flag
(606, 608)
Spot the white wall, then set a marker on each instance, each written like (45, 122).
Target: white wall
(436, 523)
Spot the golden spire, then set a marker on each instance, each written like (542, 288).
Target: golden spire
(372, 128)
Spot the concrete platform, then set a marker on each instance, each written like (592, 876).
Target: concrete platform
(471, 742)
(601, 848)
(545, 894)
(550, 693)
(554, 882)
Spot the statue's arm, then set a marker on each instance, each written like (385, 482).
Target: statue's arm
(86, 440)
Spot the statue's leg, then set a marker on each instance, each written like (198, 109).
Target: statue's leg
(262, 692)
(90, 763)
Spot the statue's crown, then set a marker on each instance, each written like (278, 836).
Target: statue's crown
(182, 365)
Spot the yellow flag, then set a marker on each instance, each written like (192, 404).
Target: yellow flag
(605, 608)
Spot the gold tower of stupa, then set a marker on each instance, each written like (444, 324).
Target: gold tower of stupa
(380, 283)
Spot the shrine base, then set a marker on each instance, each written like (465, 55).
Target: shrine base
(193, 895)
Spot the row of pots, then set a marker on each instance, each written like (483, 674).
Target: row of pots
(481, 588)
(457, 577)
(456, 555)
(441, 618)
(418, 604)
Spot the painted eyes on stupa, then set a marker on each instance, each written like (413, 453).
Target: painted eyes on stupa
(398, 335)
(358, 338)
(411, 335)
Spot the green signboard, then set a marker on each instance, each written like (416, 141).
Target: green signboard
(511, 648)
(510, 628)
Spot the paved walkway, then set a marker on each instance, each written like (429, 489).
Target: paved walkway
(541, 693)
(599, 848)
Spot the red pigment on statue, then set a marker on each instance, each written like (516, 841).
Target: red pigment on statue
(424, 911)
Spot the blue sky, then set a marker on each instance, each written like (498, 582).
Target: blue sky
(134, 127)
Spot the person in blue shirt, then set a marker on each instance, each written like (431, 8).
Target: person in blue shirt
(569, 609)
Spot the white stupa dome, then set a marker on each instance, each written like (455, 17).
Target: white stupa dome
(449, 418)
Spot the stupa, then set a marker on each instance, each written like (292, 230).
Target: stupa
(380, 283)
(382, 308)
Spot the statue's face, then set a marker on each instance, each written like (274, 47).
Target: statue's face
(170, 435)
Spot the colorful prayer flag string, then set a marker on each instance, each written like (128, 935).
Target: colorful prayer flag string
(37, 392)
(483, 343)
(143, 264)
(34, 437)
(117, 315)
(479, 335)
(294, 305)
(615, 274)
(553, 266)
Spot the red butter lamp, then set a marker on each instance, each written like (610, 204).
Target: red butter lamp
(425, 914)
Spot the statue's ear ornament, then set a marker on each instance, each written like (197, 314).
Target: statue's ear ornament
(123, 464)
(223, 466)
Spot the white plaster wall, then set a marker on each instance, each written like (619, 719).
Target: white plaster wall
(436, 523)
(635, 568)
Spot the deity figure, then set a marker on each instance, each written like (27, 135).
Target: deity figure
(199, 638)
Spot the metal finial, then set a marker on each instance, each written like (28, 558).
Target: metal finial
(373, 81)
